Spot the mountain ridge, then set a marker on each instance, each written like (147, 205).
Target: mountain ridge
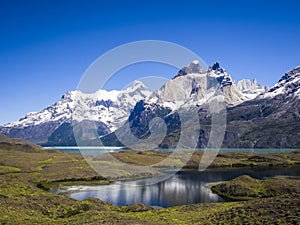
(270, 120)
(109, 108)
(251, 108)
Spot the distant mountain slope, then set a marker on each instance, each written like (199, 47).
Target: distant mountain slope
(273, 118)
(17, 145)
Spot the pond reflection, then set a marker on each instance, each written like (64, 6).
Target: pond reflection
(185, 187)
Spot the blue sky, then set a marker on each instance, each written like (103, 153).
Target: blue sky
(45, 46)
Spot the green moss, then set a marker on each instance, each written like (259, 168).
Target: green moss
(246, 187)
(9, 169)
(48, 185)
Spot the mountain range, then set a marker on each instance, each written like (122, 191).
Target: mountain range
(53, 125)
(257, 116)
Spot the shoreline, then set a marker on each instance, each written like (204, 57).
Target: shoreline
(23, 166)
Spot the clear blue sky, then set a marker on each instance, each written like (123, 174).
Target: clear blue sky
(46, 45)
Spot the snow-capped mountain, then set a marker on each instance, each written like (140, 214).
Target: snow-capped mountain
(254, 112)
(251, 89)
(272, 119)
(287, 87)
(190, 90)
(256, 116)
(194, 85)
(109, 108)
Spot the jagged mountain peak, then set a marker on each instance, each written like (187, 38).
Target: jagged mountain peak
(193, 67)
(138, 83)
(251, 89)
(214, 71)
(220, 74)
(288, 86)
(257, 123)
(195, 86)
(136, 86)
(216, 67)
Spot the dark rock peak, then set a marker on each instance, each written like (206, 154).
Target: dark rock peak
(195, 67)
(216, 66)
(291, 74)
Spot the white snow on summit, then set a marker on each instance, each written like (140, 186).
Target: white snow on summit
(251, 89)
(110, 107)
(194, 85)
(287, 86)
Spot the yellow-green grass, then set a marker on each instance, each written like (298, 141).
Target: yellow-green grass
(26, 172)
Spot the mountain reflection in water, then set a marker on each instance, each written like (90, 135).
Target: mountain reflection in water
(186, 187)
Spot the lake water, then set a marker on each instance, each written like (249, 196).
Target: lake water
(86, 150)
(185, 187)
(96, 151)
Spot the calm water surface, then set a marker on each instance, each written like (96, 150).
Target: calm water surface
(96, 151)
(185, 187)
(87, 150)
